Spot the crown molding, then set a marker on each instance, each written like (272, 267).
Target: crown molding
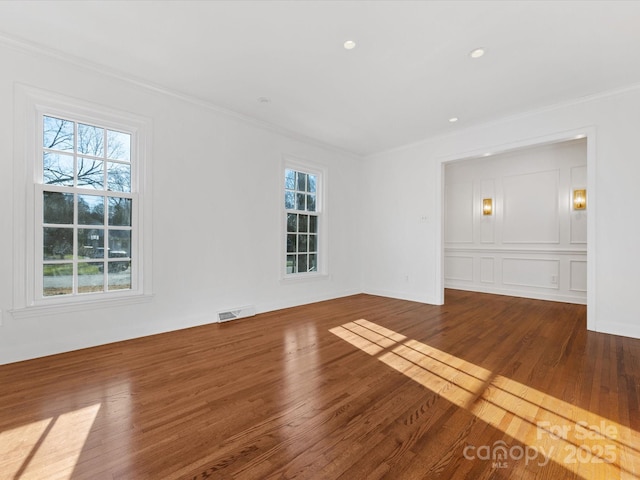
(26, 46)
(504, 119)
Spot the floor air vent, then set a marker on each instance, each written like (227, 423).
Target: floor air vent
(240, 312)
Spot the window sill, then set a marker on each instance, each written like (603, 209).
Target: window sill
(83, 306)
(304, 277)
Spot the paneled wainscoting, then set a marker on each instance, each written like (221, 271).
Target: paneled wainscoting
(361, 387)
(550, 274)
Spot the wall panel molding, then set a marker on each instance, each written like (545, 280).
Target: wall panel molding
(530, 272)
(524, 251)
(578, 275)
(459, 201)
(530, 208)
(487, 269)
(459, 268)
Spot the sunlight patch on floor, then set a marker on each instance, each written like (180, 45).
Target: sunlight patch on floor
(577, 439)
(48, 448)
(16, 445)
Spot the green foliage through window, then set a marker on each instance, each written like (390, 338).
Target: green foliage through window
(301, 205)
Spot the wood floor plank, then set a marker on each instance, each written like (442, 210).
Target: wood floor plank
(361, 387)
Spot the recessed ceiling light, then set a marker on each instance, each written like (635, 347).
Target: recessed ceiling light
(264, 99)
(349, 44)
(477, 53)
(453, 119)
(487, 154)
(578, 137)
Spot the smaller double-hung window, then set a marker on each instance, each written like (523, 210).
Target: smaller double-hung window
(302, 201)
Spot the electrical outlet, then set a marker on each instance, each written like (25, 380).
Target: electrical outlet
(554, 279)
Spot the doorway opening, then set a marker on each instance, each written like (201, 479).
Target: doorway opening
(510, 225)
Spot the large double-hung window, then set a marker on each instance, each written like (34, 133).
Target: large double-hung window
(86, 225)
(85, 215)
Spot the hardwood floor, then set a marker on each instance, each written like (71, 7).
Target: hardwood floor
(362, 387)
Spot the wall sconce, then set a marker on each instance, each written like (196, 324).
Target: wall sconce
(487, 206)
(579, 199)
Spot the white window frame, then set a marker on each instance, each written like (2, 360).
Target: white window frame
(30, 106)
(292, 163)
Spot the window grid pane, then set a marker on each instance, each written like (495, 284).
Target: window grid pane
(57, 279)
(300, 191)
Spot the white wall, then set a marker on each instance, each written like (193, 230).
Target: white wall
(403, 253)
(216, 179)
(385, 215)
(534, 244)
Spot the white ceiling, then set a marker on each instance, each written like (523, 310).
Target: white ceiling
(409, 73)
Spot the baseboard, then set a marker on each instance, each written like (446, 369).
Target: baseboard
(552, 297)
(402, 296)
(614, 328)
(279, 305)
